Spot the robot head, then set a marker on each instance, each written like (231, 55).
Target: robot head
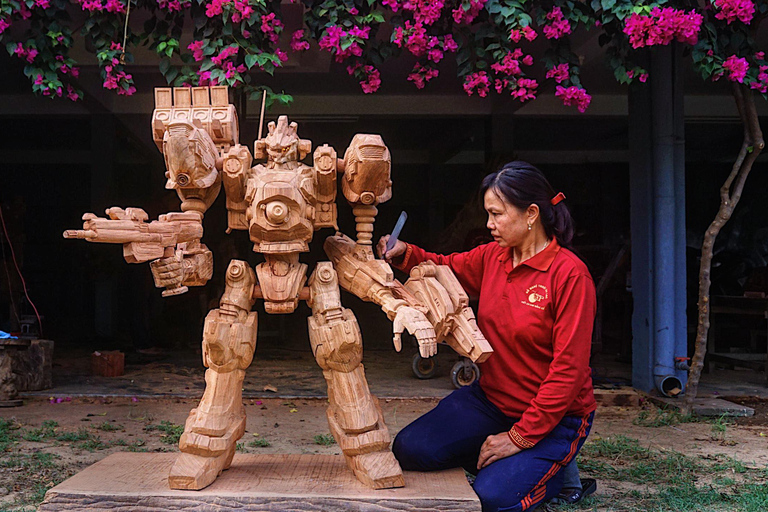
(282, 142)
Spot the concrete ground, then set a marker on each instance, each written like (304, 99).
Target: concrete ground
(292, 372)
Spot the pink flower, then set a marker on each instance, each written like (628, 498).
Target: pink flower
(732, 10)
(281, 55)
(509, 65)
(737, 68)
(662, 26)
(573, 96)
(435, 55)
(72, 94)
(39, 80)
(528, 60)
(3, 25)
(424, 11)
(466, 17)
(373, 80)
(115, 6)
(297, 42)
(226, 53)
(362, 33)
(631, 73)
(760, 55)
(331, 41)
(529, 34)
(643, 77)
(197, 50)
(75, 72)
(353, 11)
(560, 73)
(421, 75)
(43, 4)
(449, 45)
(271, 26)
(525, 89)
(558, 26)
(416, 38)
(392, 4)
(477, 82)
(91, 5)
(173, 5)
(215, 8)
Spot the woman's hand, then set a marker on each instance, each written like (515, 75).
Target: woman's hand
(397, 250)
(496, 447)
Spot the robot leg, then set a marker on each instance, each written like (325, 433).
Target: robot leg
(213, 428)
(354, 415)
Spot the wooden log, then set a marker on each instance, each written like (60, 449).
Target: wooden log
(33, 367)
(137, 481)
(109, 363)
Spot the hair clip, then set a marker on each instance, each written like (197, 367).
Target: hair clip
(559, 197)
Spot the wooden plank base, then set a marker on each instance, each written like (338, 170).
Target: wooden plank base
(138, 481)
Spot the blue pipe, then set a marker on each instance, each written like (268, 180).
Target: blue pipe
(664, 222)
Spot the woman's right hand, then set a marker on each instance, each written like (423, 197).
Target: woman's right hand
(396, 251)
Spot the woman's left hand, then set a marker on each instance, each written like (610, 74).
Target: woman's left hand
(496, 447)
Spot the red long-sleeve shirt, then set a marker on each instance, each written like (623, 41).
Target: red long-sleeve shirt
(538, 318)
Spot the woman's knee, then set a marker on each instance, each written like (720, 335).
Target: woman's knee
(495, 496)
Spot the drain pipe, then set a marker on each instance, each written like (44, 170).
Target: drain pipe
(664, 222)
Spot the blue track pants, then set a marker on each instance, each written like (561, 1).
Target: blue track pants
(451, 434)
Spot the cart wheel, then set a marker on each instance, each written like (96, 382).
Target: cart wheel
(424, 368)
(464, 373)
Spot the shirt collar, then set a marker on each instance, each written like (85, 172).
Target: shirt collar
(540, 261)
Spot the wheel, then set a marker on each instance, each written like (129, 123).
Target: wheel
(424, 368)
(464, 373)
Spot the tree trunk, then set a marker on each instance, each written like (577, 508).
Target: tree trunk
(730, 193)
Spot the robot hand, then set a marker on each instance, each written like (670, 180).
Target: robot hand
(168, 272)
(418, 325)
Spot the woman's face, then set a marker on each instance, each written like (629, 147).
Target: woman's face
(508, 224)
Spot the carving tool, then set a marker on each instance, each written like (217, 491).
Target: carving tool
(396, 232)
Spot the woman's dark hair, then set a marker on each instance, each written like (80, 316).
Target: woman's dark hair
(521, 185)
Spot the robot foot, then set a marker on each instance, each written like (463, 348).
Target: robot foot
(194, 442)
(378, 470)
(193, 472)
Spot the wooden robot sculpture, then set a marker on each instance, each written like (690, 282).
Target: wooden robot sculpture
(281, 203)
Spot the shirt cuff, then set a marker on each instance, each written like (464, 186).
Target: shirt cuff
(519, 440)
(406, 257)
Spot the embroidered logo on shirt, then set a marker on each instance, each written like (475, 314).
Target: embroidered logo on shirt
(535, 295)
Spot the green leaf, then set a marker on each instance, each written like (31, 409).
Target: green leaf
(377, 16)
(172, 74)
(165, 64)
(250, 60)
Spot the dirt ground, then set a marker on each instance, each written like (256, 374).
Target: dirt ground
(40, 453)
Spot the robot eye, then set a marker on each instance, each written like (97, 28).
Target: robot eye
(286, 149)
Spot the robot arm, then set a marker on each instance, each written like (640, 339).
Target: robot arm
(372, 281)
(196, 130)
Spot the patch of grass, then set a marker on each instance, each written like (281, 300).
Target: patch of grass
(171, 431)
(31, 461)
(324, 439)
(46, 431)
(8, 434)
(109, 427)
(136, 446)
(662, 416)
(672, 481)
(93, 444)
(82, 434)
(240, 447)
(259, 443)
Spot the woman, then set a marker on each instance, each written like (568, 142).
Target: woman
(532, 409)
